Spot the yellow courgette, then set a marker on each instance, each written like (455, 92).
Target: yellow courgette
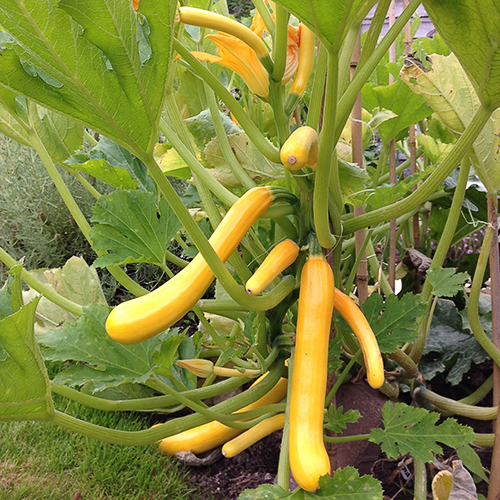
(143, 317)
(300, 149)
(253, 435)
(280, 257)
(351, 313)
(308, 457)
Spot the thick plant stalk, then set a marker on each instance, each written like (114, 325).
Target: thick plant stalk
(152, 435)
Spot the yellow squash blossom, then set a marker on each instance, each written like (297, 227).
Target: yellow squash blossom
(239, 57)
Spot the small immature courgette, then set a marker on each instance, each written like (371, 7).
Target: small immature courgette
(144, 317)
(300, 149)
(308, 457)
(253, 435)
(280, 257)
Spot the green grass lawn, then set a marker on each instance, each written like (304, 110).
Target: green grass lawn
(40, 461)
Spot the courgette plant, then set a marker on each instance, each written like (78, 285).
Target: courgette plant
(285, 128)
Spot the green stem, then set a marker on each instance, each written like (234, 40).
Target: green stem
(480, 393)
(352, 275)
(318, 88)
(441, 251)
(484, 440)
(475, 291)
(377, 273)
(381, 165)
(265, 14)
(280, 43)
(143, 404)
(152, 435)
(224, 195)
(48, 292)
(346, 439)
(326, 150)
(340, 379)
(283, 477)
(374, 31)
(431, 184)
(420, 474)
(452, 407)
(260, 142)
(276, 89)
(225, 147)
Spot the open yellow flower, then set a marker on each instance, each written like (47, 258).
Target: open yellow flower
(236, 55)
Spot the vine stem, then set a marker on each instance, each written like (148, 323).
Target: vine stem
(452, 407)
(420, 475)
(283, 477)
(154, 434)
(326, 149)
(431, 184)
(439, 256)
(144, 404)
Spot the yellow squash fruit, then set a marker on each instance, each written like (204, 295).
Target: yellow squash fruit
(144, 317)
(308, 457)
(352, 314)
(300, 149)
(280, 257)
(253, 435)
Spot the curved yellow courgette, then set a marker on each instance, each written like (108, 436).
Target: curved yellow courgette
(308, 457)
(280, 257)
(253, 435)
(300, 149)
(352, 314)
(144, 317)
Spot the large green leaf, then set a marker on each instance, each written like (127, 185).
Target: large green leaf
(24, 384)
(414, 430)
(472, 30)
(132, 227)
(329, 19)
(84, 58)
(450, 94)
(408, 107)
(450, 346)
(101, 360)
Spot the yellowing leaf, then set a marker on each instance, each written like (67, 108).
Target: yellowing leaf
(451, 95)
